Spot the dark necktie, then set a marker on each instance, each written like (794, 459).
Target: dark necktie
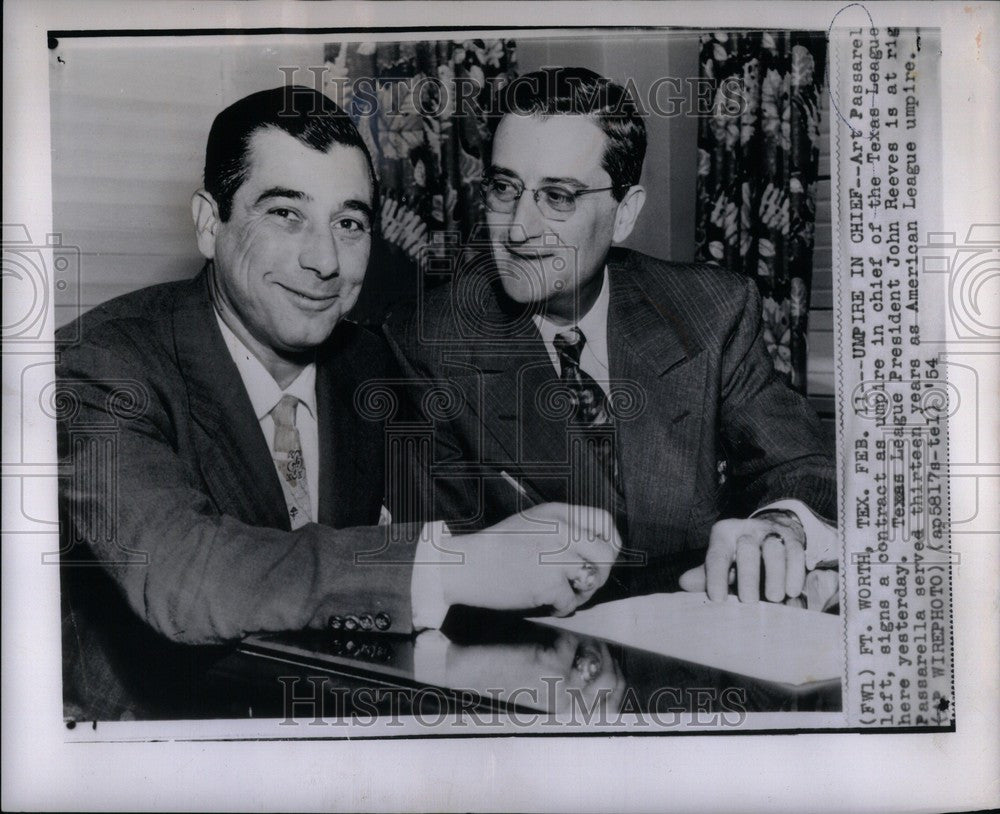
(592, 417)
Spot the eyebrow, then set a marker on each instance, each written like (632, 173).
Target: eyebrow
(549, 179)
(361, 206)
(281, 192)
(298, 195)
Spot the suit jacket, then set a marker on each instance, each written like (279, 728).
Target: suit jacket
(694, 387)
(174, 526)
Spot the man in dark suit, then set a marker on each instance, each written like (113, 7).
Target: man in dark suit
(225, 477)
(605, 377)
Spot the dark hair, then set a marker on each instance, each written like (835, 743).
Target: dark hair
(558, 91)
(304, 113)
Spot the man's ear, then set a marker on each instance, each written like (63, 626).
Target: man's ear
(628, 211)
(205, 212)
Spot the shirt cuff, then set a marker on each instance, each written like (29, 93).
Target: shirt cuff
(430, 658)
(821, 538)
(426, 586)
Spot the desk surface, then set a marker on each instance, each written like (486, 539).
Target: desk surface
(486, 660)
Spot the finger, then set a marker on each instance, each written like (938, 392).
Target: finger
(748, 568)
(548, 511)
(583, 595)
(564, 599)
(594, 526)
(821, 589)
(585, 576)
(592, 523)
(773, 553)
(595, 529)
(596, 553)
(720, 555)
(694, 579)
(585, 581)
(584, 598)
(795, 565)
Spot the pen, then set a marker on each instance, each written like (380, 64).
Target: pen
(513, 483)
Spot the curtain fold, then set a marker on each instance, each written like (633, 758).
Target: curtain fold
(415, 105)
(758, 157)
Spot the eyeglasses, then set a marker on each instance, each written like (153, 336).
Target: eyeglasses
(555, 201)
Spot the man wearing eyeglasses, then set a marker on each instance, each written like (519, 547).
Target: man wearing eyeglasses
(605, 377)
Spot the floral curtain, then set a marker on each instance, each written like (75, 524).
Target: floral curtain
(416, 105)
(758, 155)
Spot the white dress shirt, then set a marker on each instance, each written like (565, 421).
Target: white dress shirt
(265, 394)
(594, 327)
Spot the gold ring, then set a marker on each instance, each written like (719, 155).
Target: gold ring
(773, 534)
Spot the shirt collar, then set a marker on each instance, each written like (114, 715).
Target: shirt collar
(593, 324)
(260, 385)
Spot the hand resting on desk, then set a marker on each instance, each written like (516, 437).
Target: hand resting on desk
(775, 539)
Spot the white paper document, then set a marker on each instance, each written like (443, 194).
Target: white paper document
(762, 640)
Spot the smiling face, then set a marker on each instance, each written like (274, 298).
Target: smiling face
(289, 262)
(556, 265)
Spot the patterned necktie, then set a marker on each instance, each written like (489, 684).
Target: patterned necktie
(590, 402)
(290, 465)
(590, 410)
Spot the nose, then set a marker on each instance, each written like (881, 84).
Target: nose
(527, 221)
(319, 252)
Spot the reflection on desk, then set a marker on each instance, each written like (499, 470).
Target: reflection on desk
(484, 660)
(765, 640)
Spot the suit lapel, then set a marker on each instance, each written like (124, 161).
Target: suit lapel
(234, 457)
(658, 446)
(349, 473)
(509, 382)
(328, 410)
